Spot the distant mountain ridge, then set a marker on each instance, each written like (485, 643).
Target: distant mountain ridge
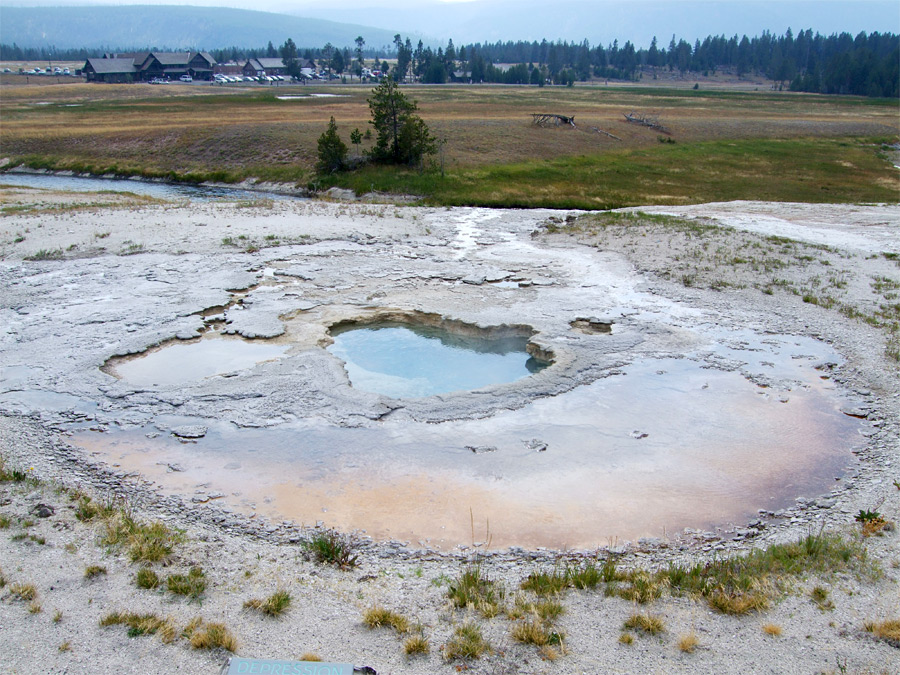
(127, 27)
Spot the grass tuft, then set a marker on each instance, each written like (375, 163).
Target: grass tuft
(191, 584)
(550, 582)
(417, 644)
(467, 643)
(771, 629)
(378, 616)
(212, 636)
(145, 542)
(472, 589)
(688, 643)
(24, 592)
(94, 571)
(142, 624)
(146, 578)
(647, 623)
(275, 605)
(888, 630)
(534, 631)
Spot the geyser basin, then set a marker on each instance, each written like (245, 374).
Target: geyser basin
(403, 360)
(664, 444)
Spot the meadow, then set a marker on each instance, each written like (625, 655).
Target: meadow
(722, 144)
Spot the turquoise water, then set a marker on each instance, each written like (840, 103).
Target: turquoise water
(408, 362)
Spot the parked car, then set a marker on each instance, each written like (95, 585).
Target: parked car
(186, 78)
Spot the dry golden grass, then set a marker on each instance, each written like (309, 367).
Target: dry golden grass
(378, 616)
(886, 630)
(688, 643)
(771, 629)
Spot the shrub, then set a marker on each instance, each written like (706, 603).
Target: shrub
(332, 548)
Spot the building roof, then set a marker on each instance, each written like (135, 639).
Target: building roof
(172, 58)
(106, 66)
(266, 63)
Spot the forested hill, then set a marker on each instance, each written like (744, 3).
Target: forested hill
(134, 27)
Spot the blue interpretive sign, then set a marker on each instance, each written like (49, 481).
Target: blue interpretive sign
(273, 667)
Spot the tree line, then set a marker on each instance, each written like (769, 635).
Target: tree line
(866, 65)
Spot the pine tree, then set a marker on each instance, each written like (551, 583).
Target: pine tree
(332, 151)
(401, 136)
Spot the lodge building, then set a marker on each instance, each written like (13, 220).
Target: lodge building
(146, 66)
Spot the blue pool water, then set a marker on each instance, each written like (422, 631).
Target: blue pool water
(407, 362)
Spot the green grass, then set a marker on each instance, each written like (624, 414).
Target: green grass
(547, 582)
(473, 589)
(467, 642)
(646, 623)
(146, 578)
(332, 548)
(11, 475)
(144, 542)
(809, 170)
(534, 631)
(142, 624)
(46, 254)
(191, 584)
(275, 605)
(93, 571)
(743, 584)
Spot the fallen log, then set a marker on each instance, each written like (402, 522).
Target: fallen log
(547, 119)
(644, 120)
(605, 133)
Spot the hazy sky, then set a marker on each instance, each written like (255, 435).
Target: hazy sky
(599, 21)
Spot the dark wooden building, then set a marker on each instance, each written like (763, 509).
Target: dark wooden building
(146, 66)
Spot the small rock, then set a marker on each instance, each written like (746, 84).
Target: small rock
(536, 444)
(481, 449)
(189, 431)
(42, 510)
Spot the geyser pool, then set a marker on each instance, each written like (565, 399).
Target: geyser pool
(406, 360)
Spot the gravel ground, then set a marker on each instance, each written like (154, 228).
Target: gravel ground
(59, 631)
